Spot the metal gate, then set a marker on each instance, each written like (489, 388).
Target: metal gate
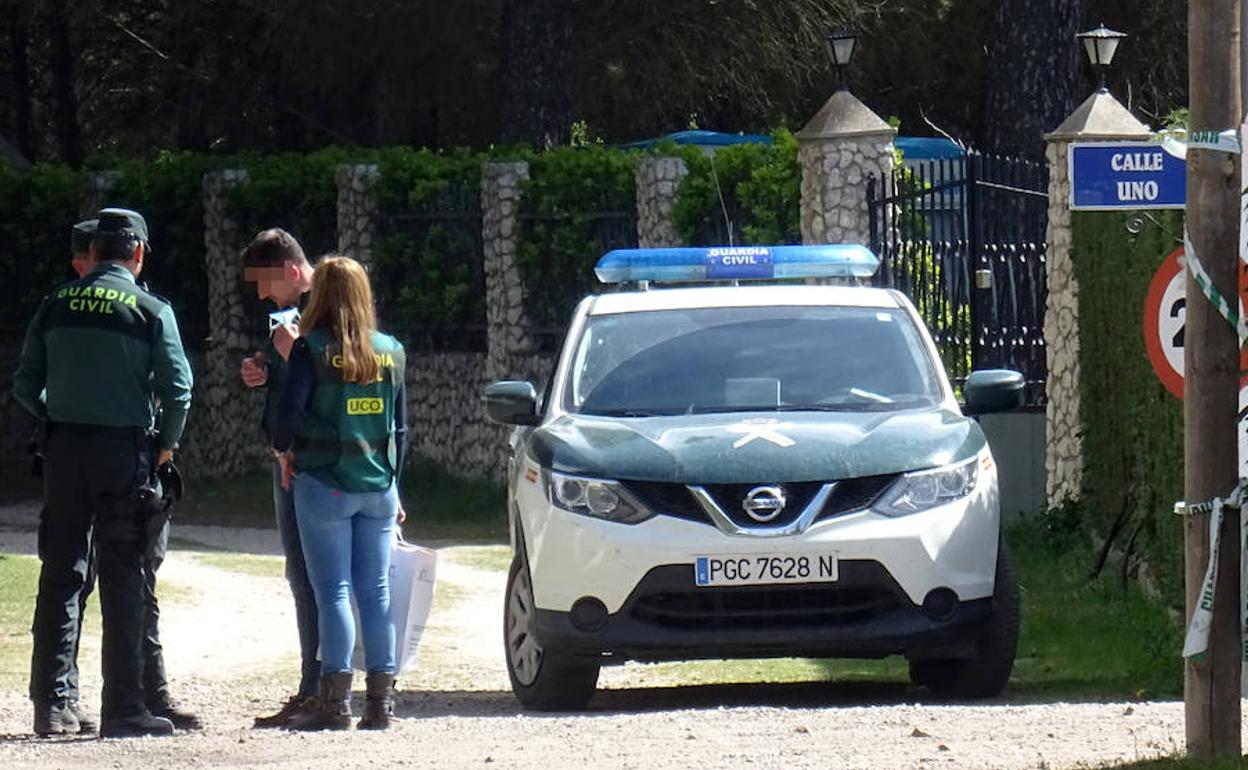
(964, 239)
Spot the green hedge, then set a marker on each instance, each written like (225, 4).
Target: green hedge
(1132, 426)
(39, 208)
(761, 189)
(579, 203)
(168, 191)
(298, 193)
(428, 263)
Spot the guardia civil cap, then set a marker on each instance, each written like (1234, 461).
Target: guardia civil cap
(80, 237)
(122, 222)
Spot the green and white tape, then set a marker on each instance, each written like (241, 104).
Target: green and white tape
(1177, 143)
(1196, 642)
(1201, 277)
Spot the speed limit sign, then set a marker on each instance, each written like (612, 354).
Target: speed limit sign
(1165, 313)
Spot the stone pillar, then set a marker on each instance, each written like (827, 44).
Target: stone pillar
(838, 149)
(658, 179)
(224, 433)
(507, 322)
(1100, 118)
(357, 211)
(95, 195)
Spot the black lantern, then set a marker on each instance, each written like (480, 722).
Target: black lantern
(1101, 43)
(840, 45)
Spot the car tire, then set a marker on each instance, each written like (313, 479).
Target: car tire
(985, 675)
(541, 678)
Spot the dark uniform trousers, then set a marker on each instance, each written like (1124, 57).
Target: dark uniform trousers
(91, 475)
(155, 680)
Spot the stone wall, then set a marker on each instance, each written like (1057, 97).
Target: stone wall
(834, 178)
(95, 195)
(357, 211)
(1064, 455)
(1100, 117)
(658, 179)
(224, 435)
(446, 420)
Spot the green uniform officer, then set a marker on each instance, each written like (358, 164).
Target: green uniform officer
(97, 353)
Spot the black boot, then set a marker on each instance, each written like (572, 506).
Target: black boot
(55, 718)
(335, 710)
(136, 726)
(379, 703)
(181, 718)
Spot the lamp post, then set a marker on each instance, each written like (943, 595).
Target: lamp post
(1101, 43)
(840, 45)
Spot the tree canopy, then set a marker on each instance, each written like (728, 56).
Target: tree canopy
(129, 76)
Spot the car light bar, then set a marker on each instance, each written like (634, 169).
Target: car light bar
(730, 263)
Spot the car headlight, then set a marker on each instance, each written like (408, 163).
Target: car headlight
(922, 490)
(599, 498)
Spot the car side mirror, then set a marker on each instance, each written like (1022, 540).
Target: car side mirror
(992, 390)
(511, 402)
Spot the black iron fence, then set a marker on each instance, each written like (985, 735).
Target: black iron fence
(429, 265)
(964, 238)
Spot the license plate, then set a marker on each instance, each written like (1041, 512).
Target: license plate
(765, 570)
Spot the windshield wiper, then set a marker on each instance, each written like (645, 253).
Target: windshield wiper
(626, 413)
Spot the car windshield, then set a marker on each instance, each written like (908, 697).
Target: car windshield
(698, 360)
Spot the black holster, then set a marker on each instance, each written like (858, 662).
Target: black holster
(155, 499)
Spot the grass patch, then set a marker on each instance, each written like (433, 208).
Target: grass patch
(491, 558)
(244, 564)
(240, 501)
(1085, 636)
(1183, 763)
(19, 583)
(441, 506)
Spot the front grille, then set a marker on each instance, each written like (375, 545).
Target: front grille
(668, 499)
(855, 494)
(731, 496)
(864, 592)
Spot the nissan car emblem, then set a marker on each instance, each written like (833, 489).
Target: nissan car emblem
(763, 504)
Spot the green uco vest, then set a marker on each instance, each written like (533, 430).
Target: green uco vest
(346, 434)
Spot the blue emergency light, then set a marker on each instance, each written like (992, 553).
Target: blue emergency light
(730, 263)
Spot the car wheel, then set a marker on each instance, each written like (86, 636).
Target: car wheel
(985, 675)
(541, 678)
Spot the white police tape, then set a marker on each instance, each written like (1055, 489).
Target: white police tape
(1218, 141)
(1196, 641)
(1202, 279)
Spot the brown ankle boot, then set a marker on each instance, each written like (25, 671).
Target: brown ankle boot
(379, 703)
(335, 702)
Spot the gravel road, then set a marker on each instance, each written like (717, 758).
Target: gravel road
(230, 648)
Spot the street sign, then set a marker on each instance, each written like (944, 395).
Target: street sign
(1125, 175)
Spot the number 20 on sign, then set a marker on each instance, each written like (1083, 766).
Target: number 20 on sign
(1165, 313)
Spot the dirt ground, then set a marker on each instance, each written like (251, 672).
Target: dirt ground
(231, 652)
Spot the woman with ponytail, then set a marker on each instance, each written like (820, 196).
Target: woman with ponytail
(340, 435)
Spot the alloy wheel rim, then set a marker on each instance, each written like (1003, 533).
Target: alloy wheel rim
(523, 652)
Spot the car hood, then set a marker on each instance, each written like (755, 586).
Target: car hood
(755, 447)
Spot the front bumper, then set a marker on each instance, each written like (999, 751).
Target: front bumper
(864, 614)
(571, 556)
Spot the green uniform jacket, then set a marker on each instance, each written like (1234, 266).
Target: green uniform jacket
(346, 438)
(96, 352)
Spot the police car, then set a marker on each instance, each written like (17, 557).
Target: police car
(750, 469)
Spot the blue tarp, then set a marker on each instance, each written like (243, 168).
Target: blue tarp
(912, 147)
(701, 139)
(927, 148)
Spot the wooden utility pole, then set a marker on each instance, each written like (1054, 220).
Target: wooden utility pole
(1211, 372)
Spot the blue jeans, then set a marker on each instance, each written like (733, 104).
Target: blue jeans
(346, 540)
(300, 586)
